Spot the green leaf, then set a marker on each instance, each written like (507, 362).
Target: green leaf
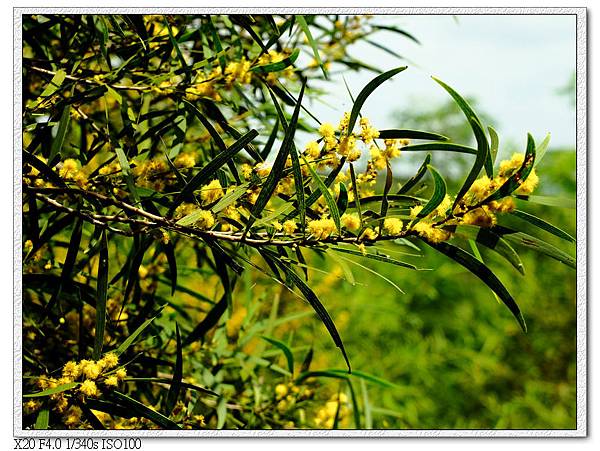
(169, 250)
(490, 240)
(441, 146)
(342, 200)
(316, 304)
(229, 198)
(540, 151)
(412, 182)
(296, 169)
(333, 209)
(482, 159)
(102, 291)
(143, 411)
(389, 178)
(43, 418)
(410, 134)
(543, 225)
(483, 147)
(515, 180)
(286, 351)
(184, 66)
(126, 169)
(131, 338)
(549, 200)
(523, 239)
(494, 143)
(379, 257)
(52, 391)
(356, 192)
(343, 374)
(43, 168)
(278, 66)
(274, 176)
(209, 321)
(208, 171)
(366, 92)
(63, 126)
(67, 269)
(175, 387)
(439, 192)
(55, 83)
(306, 30)
(483, 273)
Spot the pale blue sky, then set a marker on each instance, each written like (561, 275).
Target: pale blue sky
(513, 65)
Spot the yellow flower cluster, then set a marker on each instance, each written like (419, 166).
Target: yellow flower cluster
(70, 169)
(325, 416)
(393, 226)
(321, 228)
(89, 373)
(211, 192)
(350, 221)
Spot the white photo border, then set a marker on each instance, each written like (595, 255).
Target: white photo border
(581, 212)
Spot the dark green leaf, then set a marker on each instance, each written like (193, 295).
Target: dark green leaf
(441, 146)
(523, 239)
(274, 176)
(52, 391)
(482, 272)
(410, 134)
(58, 141)
(316, 304)
(278, 66)
(543, 225)
(209, 321)
(412, 182)
(208, 171)
(342, 200)
(175, 387)
(286, 351)
(306, 30)
(515, 180)
(131, 338)
(333, 210)
(439, 192)
(491, 240)
(366, 92)
(102, 291)
(143, 411)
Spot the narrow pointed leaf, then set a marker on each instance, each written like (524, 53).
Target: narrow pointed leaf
(543, 225)
(439, 146)
(333, 209)
(515, 180)
(410, 134)
(366, 92)
(144, 411)
(102, 291)
(52, 391)
(274, 176)
(439, 192)
(412, 182)
(306, 30)
(482, 272)
(286, 351)
(63, 127)
(131, 338)
(316, 304)
(208, 171)
(278, 66)
(490, 240)
(175, 387)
